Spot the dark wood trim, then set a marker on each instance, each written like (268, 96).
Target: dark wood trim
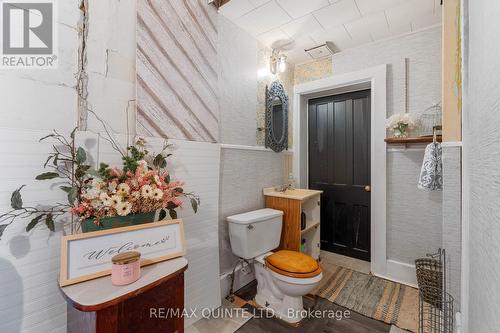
(99, 307)
(422, 139)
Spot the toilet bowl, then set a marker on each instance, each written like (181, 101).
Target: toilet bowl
(284, 276)
(280, 293)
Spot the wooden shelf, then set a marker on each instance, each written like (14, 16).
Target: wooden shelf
(422, 139)
(309, 227)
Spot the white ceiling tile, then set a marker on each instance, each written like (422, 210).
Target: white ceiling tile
(302, 26)
(372, 6)
(427, 20)
(268, 38)
(263, 19)
(346, 23)
(299, 8)
(410, 10)
(370, 27)
(258, 3)
(338, 13)
(320, 36)
(305, 43)
(236, 8)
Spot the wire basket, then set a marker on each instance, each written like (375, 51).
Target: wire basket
(435, 304)
(436, 311)
(430, 118)
(429, 272)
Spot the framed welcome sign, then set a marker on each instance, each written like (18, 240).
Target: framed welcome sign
(88, 256)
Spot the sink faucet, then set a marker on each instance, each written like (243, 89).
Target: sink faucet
(284, 188)
(287, 186)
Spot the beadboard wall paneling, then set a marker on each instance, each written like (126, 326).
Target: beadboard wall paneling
(29, 263)
(177, 70)
(482, 157)
(198, 164)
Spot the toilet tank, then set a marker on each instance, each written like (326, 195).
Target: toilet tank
(255, 233)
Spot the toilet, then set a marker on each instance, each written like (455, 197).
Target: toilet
(283, 277)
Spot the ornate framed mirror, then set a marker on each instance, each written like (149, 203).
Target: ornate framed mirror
(276, 117)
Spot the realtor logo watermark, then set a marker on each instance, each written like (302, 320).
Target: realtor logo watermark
(28, 35)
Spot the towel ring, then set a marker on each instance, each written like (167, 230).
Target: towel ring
(434, 132)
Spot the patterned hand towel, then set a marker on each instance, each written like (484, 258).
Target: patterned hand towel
(431, 175)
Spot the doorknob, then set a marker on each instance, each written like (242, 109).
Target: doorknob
(368, 188)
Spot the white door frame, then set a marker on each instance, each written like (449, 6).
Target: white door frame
(376, 79)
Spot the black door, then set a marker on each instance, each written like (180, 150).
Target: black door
(339, 165)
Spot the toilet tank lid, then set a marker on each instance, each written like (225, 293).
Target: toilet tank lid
(255, 216)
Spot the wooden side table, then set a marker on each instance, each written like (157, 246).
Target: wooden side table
(143, 306)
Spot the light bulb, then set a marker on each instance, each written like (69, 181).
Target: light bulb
(282, 65)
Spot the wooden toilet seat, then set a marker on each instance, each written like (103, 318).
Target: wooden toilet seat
(293, 264)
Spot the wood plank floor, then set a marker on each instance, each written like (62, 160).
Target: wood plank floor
(355, 323)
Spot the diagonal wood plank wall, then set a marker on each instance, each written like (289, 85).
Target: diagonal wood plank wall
(177, 70)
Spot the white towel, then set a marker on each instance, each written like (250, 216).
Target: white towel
(431, 175)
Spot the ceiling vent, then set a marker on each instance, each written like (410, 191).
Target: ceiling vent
(321, 51)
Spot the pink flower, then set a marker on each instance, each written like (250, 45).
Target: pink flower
(115, 172)
(177, 202)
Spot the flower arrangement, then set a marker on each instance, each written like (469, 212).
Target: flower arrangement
(400, 123)
(141, 185)
(137, 188)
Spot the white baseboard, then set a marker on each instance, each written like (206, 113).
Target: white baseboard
(400, 272)
(458, 322)
(241, 279)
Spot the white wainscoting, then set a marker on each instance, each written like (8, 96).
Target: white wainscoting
(30, 300)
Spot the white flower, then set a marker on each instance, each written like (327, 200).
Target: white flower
(91, 194)
(136, 194)
(144, 164)
(96, 204)
(123, 189)
(115, 200)
(157, 179)
(395, 120)
(147, 191)
(105, 199)
(96, 183)
(157, 194)
(123, 208)
(112, 187)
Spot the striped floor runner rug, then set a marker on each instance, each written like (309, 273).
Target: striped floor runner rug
(387, 301)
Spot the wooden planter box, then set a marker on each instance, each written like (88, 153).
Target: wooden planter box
(88, 225)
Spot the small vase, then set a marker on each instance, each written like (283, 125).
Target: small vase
(88, 225)
(400, 134)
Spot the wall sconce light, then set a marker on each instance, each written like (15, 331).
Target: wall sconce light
(278, 62)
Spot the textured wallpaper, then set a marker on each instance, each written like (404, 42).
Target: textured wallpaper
(177, 70)
(482, 160)
(313, 70)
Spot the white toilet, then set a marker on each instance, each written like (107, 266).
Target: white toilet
(283, 277)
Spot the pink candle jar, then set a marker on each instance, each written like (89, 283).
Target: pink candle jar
(126, 268)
